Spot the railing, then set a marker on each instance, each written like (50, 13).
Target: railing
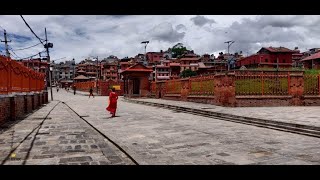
(173, 87)
(262, 83)
(311, 84)
(203, 85)
(85, 86)
(15, 77)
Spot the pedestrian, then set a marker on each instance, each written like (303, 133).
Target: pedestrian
(91, 92)
(112, 107)
(57, 88)
(74, 89)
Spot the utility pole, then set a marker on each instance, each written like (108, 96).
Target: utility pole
(47, 45)
(6, 43)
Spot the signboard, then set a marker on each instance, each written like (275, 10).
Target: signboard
(117, 87)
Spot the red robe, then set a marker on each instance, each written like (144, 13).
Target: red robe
(113, 97)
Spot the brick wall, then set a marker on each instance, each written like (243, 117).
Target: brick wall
(17, 106)
(36, 101)
(19, 110)
(29, 103)
(4, 109)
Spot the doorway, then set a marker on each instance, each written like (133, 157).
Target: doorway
(136, 86)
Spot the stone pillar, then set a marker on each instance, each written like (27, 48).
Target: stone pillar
(224, 89)
(296, 88)
(184, 89)
(12, 109)
(161, 89)
(32, 102)
(29, 103)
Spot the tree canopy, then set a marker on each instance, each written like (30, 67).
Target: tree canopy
(188, 73)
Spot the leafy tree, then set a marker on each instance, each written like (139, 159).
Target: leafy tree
(177, 50)
(188, 73)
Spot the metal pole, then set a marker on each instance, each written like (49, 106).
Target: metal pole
(48, 59)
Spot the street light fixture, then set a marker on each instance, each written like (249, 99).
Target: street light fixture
(229, 44)
(145, 50)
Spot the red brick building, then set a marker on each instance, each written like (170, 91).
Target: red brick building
(110, 71)
(189, 61)
(312, 62)
(36, 64)
(154, 57)
(174, 70)
(92, 69)
(268, 57)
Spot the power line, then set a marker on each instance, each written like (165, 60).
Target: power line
(27, 47)
(14, 53)
(33, 55)
(31, 29)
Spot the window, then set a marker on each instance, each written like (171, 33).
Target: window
(266, 60)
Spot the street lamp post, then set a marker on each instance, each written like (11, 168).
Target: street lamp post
(229, 44)
(145, 50)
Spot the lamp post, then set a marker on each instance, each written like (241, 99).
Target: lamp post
(229, 44)
(145, 50)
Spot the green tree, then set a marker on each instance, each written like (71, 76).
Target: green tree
(177, 50)
(188, 73)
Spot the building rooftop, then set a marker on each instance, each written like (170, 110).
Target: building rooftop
(313, 56)
(81, 77)
(278, 49)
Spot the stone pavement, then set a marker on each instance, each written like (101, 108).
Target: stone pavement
(63, 138)
(305, 115)
(153, 135)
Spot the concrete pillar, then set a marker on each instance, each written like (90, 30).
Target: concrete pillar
(224, 89)
(184, 89)
(296, 89)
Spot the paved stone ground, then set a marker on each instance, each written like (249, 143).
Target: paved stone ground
(64, 138)
(306, 115)
(153, 135)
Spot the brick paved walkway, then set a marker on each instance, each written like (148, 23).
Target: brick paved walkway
(154, 135)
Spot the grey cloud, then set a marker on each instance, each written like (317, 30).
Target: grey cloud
(165, 32)
(201, 20)
(181, 27)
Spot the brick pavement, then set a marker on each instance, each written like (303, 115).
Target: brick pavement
(153, 135)
(63, 139)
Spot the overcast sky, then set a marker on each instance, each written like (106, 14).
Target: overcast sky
(83, 36)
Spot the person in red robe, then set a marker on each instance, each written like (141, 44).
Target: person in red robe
(113, 97)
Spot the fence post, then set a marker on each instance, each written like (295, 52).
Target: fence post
(262, 81)
(318, 84)
(288, 82)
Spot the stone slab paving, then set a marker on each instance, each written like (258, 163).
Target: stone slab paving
(153, 135)
(63, 139)
(305, 115)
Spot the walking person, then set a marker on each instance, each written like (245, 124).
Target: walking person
(74, 89)
(91, 92)
(113, 98)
